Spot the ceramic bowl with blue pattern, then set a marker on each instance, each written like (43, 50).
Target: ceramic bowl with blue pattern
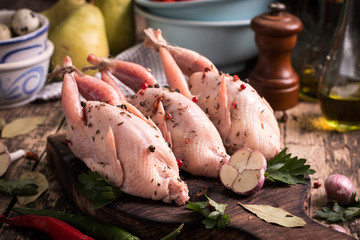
(20, 81)
(25, 46)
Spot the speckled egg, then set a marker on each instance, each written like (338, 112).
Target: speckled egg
(24, 21)
(5, 32)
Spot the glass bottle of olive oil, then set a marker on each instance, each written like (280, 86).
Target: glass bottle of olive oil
(339, 87)
(341, 108)
(314, 54)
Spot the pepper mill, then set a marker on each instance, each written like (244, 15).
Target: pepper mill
(274, 77)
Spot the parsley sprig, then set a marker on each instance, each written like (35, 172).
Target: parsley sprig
(339, 213)
(286, 169)
(97, 189)
(213, 212)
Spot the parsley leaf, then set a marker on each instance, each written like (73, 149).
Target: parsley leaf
(286, 169)
(25, 187)
(98, 189)
(213, 212)
(339, 213)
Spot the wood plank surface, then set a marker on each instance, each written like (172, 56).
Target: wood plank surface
(55, 197)
(34, 141)
(328, 152)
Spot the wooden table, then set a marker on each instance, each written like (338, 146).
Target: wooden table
(303, 133)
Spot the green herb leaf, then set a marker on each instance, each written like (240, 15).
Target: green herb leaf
(26, 187)
(97, 189)
(41, 182)
(213, 212)
(286, 169)
(339, 213)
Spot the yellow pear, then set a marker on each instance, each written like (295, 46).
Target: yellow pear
(119, 23)
(61, 10)
(81, 33)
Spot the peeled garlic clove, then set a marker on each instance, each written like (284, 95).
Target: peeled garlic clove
(24, 21)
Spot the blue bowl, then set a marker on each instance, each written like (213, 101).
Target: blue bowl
(25, 46)
(207, 10)
(228, 44)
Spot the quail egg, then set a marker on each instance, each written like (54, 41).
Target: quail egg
(24, 21)
(5, 32)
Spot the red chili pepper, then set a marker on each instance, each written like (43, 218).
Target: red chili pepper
(242, 86)
(144, 85)
(55, 228)
(195, 99)
(179, 162)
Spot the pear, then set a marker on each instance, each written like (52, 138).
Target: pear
(61, 10)
(119, 23)
(81, 33)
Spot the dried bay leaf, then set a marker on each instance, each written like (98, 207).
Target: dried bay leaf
(40, 180)
(21, 126)
(275, 215)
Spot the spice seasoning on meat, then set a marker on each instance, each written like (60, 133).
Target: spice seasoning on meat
(152, 148)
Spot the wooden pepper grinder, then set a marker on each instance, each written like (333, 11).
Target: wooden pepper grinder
(273, 76)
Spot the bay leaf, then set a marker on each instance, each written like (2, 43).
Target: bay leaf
(40, 180)
(275, 215)
(21, 126)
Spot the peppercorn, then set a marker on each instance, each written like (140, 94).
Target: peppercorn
(152, 148)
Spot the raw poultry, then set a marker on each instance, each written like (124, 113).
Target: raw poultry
(121, 146)
(242, 117)
(192, 136)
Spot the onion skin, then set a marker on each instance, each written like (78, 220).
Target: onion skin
(341, 189)
(338, 228)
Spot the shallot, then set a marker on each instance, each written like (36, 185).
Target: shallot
(338, 228)
(340, 188)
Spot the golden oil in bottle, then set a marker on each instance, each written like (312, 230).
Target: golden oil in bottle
(308, 84)
(341, 108)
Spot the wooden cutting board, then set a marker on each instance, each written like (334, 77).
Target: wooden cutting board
(150, 219)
